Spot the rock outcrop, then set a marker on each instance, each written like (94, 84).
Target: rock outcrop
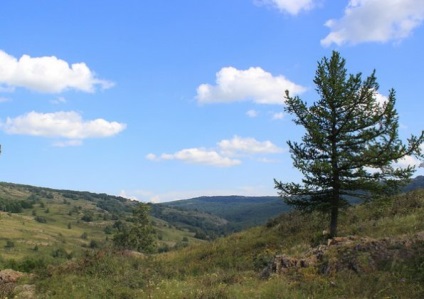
(8, 285)
(357, 254)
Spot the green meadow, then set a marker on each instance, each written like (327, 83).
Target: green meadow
(380, 254)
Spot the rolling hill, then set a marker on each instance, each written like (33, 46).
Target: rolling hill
(60, 224)
(234, 213)
(379, 254)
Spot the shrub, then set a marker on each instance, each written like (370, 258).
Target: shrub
(40, 219)
(9, 244)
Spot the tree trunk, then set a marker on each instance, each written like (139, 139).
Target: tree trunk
(333, 220)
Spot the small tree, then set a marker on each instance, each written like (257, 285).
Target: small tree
(138, 234)
(350, 144)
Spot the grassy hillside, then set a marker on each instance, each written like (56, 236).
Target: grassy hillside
(60, 224)
(380, 256)
(203, 225)
(232, 213)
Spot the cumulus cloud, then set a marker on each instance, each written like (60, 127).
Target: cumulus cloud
(253, 84)
(223, 155)
(381, 99)
(198, 156)
(241, 146)
(292, 7)
(375, 21)
(69, 125)
(408, 161)
(47, 74)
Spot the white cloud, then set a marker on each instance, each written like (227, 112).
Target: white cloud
(252, 113)
(253, 84)
(381, 99)
(139, 195)
(408, 161)
(69, 125)
(238, 145)
(223, 155)
(278, 115)
(198, 156)
(375, 21)
(292, 7)
(59, 100)
(47, 74)
(151, 157)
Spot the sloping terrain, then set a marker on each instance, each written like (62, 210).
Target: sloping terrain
(232, 213)
(214, 216)
(379, 255)
(43, 222)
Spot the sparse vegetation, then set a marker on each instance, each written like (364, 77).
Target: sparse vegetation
(382, 258)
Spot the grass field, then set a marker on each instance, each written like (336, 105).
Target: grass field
(385, 258)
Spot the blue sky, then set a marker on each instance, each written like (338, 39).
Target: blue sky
(166, 100)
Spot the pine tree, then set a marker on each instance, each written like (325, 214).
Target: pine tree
(350, 144)
(138, 234)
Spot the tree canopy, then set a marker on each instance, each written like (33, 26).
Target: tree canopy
(138, 234)
(350, 145)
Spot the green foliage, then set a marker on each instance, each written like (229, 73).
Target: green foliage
(9, 244)
(348, 132)
(108, 230)
(138, 234)
(94, 244)
(216, 216)
(28, 264)
(88, 216)
(14, 206)
(61, 253)
(40, 219)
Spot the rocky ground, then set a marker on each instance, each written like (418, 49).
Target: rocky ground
(358, 254)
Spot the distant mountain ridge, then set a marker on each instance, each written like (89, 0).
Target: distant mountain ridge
(232, 213)
(236, 213)
(416, 183)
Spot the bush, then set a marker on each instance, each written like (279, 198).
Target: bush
(88, 216)
(94, 244)
(40, 219)
(61, 253)
(9, 244)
